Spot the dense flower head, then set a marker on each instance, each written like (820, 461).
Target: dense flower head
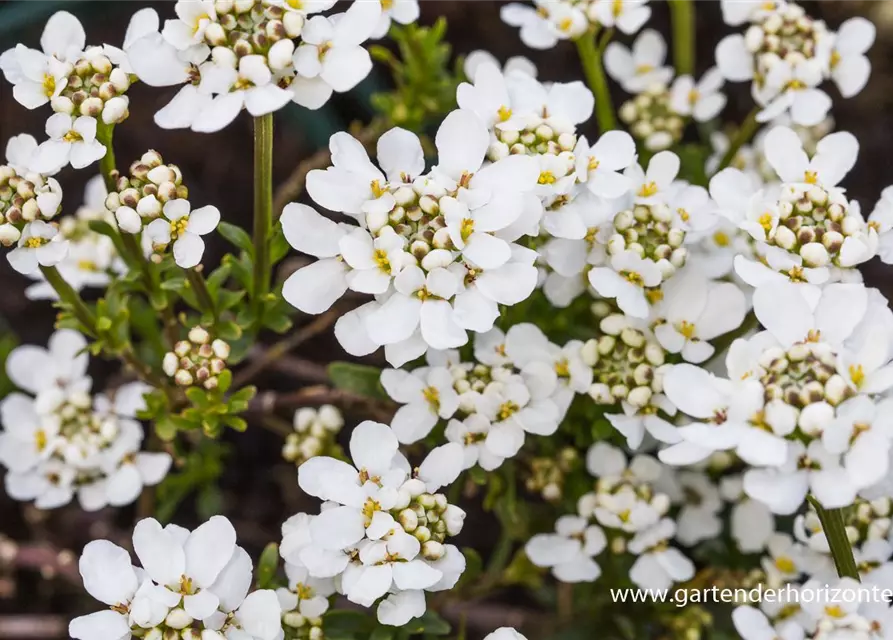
(384, 527)
(652, 119)
(192, 584)
(25, 195)
(198, 360)
(315, 433)
(60, 441)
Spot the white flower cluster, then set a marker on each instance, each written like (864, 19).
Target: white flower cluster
(315, 433)
(199, 360)
(805, 230)
(192, 585)
(92, 259)
(658, 113)
(787, 55)
(256, 54)
(436, 249)
(381, 535)
(625, 514)
(519, 383)
(555, 20)
(59, 442)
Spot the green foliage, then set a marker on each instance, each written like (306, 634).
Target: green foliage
(267, 567)
(357, 378)
(425, 84)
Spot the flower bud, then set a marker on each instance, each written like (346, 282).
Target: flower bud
(170, 364)
(199, 335)
(178, 619)
(115, 110)
(91, 107)
(280, 54)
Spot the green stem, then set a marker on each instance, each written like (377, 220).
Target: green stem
(104, 133)
(835, 531)
(263, 206)
(591, 58)
(200, 287)
(70, 297)
(682, 13)
(745, 132)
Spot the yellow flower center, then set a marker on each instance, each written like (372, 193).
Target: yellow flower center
(785, 564)
(303, 591)
(186, 586)
(295, 4)
(654, 296)
(593, 164)
(432, 395)
(178, 227)
(683, 214)
(323, 49)
(633, 277)
(87, 265)
(857, 374)
(565, 24)
(834, 611)
(466, 229)
(507, 410)
(835, 58)
(693, 96)
(198, 22)
(796, 274)
(624, 515)
(546, 177)
(376, 188)
(504, 113)
(40, 439)
(49, 85)
(721, 239)
(648, 189)
(370, 507)
(811, 177)
(387, 4)
(380, 257)
(72, 136)
(766, 221)
(795, 85)
(642, 69)
(562, 369)
(34, 242)
(687, 329)
(617, 8)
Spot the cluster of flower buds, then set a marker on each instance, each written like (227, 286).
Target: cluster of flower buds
(140, 196)
(786, 33)
(23, 199)
(253, 27)
(416, 217)
(652, 231)
(297, 626)
(650, 118)
(428, 517)
(867, 520)
(625, 362)
(198, 360)
(95, 88)
(815, 222)
(547, 474)
(315, 433)
(803, 374)
(534, 139)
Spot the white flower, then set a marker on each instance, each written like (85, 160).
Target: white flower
(200, 576)
(61, 365)
(72, 140)
(399, 11)
(37, 78)
(862, 432)
(698, 519)
(427, 394)
(850, 67)
(600, 165)
(626, 280)
(626, 15)
(834, 156)
(184, 228)
(697, 311)
(641, 67)
(569, 552)
(658, 566)
(504, 633)
(752, 523)
(40, 244)
(472, 433)
(752, 624)
(653, 184)
(540, 32)
(251, 87)
(703, 101)
(330, 57)
(476, 60)
(792, 88)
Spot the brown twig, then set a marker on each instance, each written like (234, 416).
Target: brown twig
(268, 356)
(25, 627)
(293, 186)
(270, 401)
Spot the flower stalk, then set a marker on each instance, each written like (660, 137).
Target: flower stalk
(69, 296)
(202, 294)
(591, 58)
(682, 13)
(835, 531)
(104, 134)
(263, 206)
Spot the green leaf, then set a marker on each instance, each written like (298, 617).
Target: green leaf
(218, 277)
(267, 566)
(383, 633)
(279, 246)
(278, 322)
(340, 624)
(357, 378)
(228, 330)
(198, 397)
(237, 236)
(430, 624)
(522, 571)
(174, 284)
(236, 423)
(238, 402)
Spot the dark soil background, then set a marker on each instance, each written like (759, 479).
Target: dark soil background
(259, 489)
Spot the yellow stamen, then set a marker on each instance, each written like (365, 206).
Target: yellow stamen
(562, 369)
(835, 58)
(687, 329)
(72, 136)
(593, 164)
(683, 214)
(565, 24)
(546, 177)
(466, 229)
(857, 374)
(40, 439)
(49, 85)
(34, 242)
(504, 113)
(654, 296)
(810, 177)
(642, 69)
(648, 189)
(617, 8)
(721, 239)
(376, 188)
(178, 227)
(87, 265)
(765, 221)
(835, 611)
(785, 564)
(506, 410)
(380, 257)
(693, 96)
(432, 395)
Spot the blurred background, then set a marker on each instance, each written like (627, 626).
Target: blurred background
(39, 585)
